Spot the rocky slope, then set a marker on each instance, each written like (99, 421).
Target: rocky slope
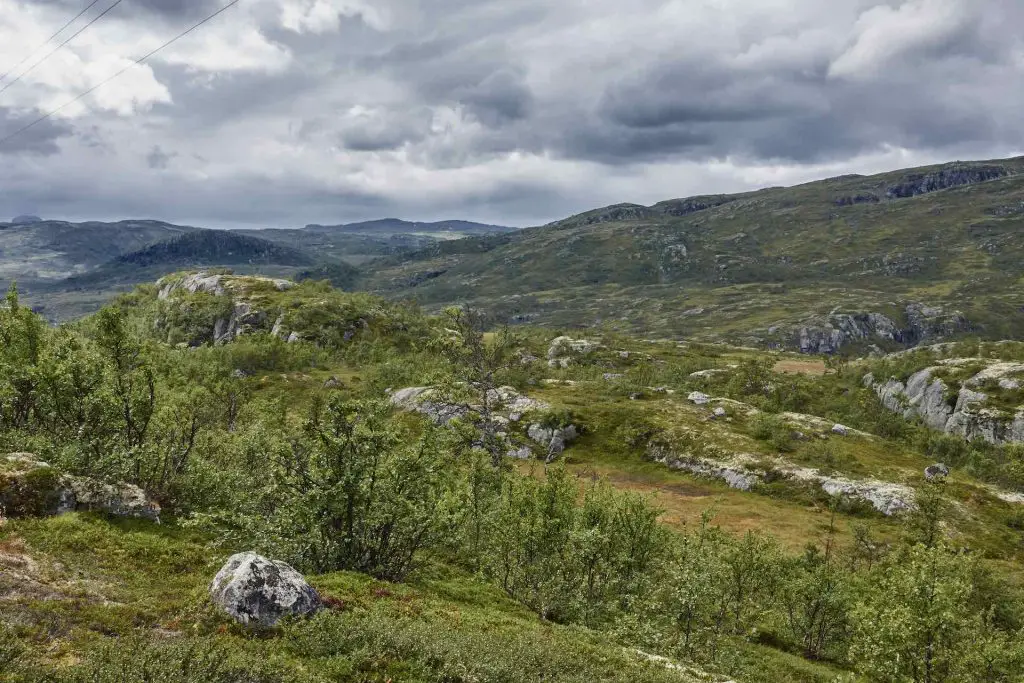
(893, 260)
(969, 397)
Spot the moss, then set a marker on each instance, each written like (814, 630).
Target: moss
(29, 493)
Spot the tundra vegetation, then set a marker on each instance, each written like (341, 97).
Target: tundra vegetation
(713, 518)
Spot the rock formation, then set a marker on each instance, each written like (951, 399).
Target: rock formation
(258, 591)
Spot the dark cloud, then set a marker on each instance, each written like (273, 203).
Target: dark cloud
(40, 140)
(164, 9)
(527, 110)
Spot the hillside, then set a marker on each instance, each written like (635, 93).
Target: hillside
(51, 250)
(395, 226)
(477, 507)
(889, 260)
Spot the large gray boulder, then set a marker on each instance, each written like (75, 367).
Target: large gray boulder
(257, 591)
(553, 439)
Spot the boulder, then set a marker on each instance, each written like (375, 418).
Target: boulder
(120, 500)
(258, 591)
(698, 398)
(841, 430)
(554, 439)
(29, 486)
(719, 412)
(937, 471)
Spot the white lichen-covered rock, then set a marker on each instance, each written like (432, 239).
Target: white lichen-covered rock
(744, 472)
(841, 430)
(258, 591)
(719, 411)
(698, 398)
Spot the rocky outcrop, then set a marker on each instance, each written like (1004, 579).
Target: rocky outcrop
(564, 351)
(553, 439)
(241, 315)
(925, 324)
(31, 487)
(257, 591)
(964, 411)
(952, 175)
(745, 472)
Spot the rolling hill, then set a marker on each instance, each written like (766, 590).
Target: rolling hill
(395, 226)
(889, 260)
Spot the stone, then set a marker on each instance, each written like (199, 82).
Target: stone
(257, 591)
(611, 376)
(521, 453)
(119, 500)
(554, 439)
(699, 398)
(293, 337)
(31, 487)
(841, 430)
(937, 471)
(563, 351)
(719, 412)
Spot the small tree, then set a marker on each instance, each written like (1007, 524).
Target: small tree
(358, 492)
(477, 363)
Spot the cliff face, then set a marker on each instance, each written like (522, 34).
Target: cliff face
(924, 324)
(988, 405)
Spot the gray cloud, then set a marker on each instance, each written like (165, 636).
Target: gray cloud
(158, 159)
(39, 140)
(523, 112)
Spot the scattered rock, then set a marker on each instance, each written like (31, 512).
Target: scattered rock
(611, 376)
(699, 398)
(255, 590)
(332, 383)
(841, 430)
(937, 471)
(719, 412)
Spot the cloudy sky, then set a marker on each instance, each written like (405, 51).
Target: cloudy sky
(284, 112)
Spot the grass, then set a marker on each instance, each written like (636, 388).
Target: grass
(109, 594)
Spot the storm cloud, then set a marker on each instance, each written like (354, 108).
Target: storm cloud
(285, 112)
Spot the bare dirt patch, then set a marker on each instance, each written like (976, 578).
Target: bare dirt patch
(815, 367)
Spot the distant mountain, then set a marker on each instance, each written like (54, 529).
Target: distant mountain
(53, 250)
(198, 249)
(394, 226)
(893, 259)
(26, 220)
(215, 247)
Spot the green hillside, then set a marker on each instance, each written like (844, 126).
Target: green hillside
(757, 267)
(493, 506)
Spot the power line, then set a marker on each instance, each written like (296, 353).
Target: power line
(50, 53)
(138, 61)
(47, 42)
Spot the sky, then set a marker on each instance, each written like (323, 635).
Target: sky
(279, 113)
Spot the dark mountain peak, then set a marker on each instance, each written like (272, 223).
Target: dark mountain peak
(399, 226)
(215, 247)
